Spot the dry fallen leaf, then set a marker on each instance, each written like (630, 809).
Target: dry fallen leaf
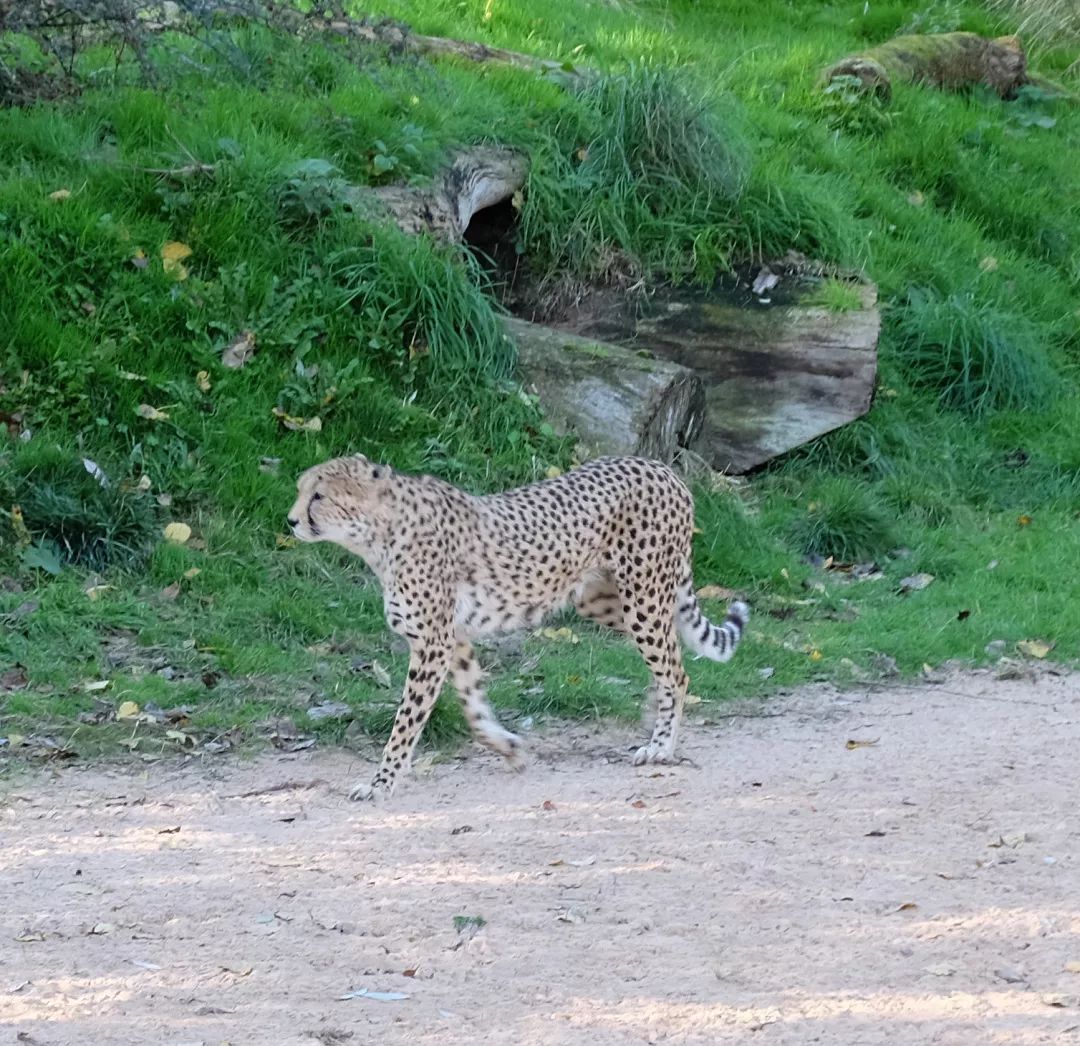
(854, 743)
(1024, 521)
(239, 350)
(915, 582)
(170, 592)
(144, 410)
(816, 655)
(202, 380)
(127, 710)
(60, 194)
(638, 804)
(193, 572)
(989, 264)
(172, 259)
(553, 472)
(941, 969)
(1038, 648)
(178, 533)
(94, 591)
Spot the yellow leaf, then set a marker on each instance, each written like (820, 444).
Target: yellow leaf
(1024, 521)
(295, 424)
(284, 540)
(202, 380)
(172, 257)
(816, 655)
(560, 635)
(989, 264)
(144, 410)
(698, 530)
(193, 572)
(517, 201)
(60, 194)
(95, 590)
(94, 685)
(1035, 647)
(178, 533)
(127, 710)
(916, 199)
(852, 743)
(715, 592)
(553, 471)
(179, 735)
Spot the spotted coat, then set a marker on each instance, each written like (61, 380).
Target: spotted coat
(610, 538)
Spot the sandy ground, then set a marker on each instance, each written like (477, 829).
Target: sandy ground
(780, 886)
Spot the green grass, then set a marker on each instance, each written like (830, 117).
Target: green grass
(703, 141)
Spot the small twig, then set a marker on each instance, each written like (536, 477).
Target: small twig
(188, 169)
(285, 786)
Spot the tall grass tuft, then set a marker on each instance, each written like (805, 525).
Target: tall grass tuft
(844, 520)
(422, 303)
(974, 356)
(652, 183)
(94, 521)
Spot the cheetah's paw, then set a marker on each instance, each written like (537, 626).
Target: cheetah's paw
(652, 753)
(376, 792)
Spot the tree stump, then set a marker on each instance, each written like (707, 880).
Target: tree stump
(613, 399)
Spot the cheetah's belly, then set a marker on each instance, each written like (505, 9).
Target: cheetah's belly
(485, 608)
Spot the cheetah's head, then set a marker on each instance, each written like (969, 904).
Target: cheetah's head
(342, 500)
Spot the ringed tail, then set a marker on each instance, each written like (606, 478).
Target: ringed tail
(701, 636)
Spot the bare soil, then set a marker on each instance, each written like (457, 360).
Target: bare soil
(888, 867)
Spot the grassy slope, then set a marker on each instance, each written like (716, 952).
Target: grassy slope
(966, 198)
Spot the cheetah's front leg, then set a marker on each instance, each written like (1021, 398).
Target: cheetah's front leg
(428, 666)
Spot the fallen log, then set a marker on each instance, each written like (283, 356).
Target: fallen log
(949, 61)
(779, 365)
(614, 400)
(476, 178)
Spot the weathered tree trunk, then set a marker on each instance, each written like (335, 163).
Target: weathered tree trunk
(613, 399)
(950, 61)
(477, 178)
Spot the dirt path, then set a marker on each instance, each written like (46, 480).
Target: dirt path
(786, 889)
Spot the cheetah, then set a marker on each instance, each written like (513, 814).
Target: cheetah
(610, 538)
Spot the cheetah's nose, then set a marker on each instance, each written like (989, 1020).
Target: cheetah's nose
(292, 522)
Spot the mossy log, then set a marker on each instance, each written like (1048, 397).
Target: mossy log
(614, 400)
(475, 179)
(950, 61)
